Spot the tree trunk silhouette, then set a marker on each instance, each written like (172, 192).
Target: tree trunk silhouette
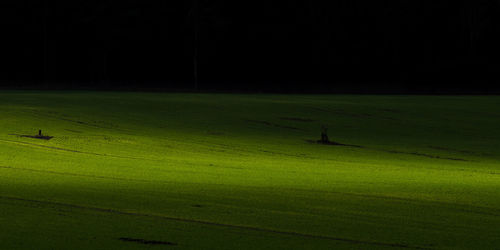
(196, 29)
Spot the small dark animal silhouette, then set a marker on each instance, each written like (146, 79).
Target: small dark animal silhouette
(324, 135)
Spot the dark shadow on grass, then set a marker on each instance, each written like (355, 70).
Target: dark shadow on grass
(273, 124)
(460, 151)
(425, 155)
(40, 137)
(332, 143)
(296, 119)
(148, 242)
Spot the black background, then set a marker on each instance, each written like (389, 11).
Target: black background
(341, 46)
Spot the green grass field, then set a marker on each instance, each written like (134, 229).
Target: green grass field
(217, 171)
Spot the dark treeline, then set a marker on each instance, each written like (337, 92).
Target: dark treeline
(288, 46)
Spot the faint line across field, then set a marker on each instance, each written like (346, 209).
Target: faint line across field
(73, 174)
(55, 117)
(368, 196)
(71, 150)
(251, 228)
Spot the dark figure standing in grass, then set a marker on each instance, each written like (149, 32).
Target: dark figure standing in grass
(324, 135)
(40, 132)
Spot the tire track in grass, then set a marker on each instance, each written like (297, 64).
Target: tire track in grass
(463, 207)
(62, 117)
(458, 206)
(209, 223)
(425, 155)
(72, 150)
(89, 175)
(72, 174)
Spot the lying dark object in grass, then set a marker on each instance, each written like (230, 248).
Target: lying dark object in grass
(148, 242)
(39, 136)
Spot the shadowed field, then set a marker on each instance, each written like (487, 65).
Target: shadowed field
(210, 171)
